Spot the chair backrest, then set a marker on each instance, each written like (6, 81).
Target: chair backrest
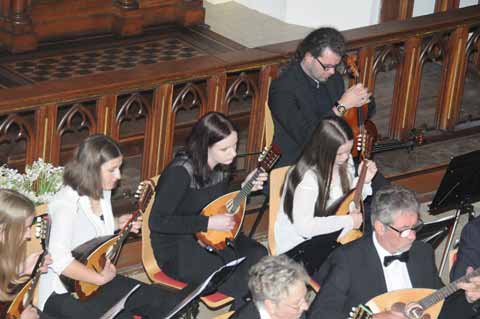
(268, 126)
(277, 177)
(225, 315)
(148, 258)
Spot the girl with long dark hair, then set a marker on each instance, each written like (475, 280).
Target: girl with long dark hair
(324, 173)
(198, 175)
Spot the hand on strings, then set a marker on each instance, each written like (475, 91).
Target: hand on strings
(258, 182)
(221, 222)
(46, 261)
(357, 219)
(108, 273)
(29, 313)
(355, 96)
(136, 225)
(472, 287)
(371, 170)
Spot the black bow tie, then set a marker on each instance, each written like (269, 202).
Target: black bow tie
(403, 257)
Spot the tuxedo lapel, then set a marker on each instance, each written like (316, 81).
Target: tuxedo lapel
(415, 266)
(374, 273)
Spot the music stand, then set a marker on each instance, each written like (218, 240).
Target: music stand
(459, 188)
(433, 232)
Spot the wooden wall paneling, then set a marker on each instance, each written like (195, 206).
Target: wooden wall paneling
(159, 132)
(387, 58)
(366, 59)
(396, 10)
(16, 29)
(77, 118)
(216, 86)
(446, 5)
(106, 116)
(257, 115)
(127, 19)
(240, 91)
(453, 77)
(406, 90)
(267, 74)
(47, 146)
(15, 128)
(473, 48)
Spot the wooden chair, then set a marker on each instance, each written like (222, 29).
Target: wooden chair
(155, 273)
(225, 315)
(277, 176)
(268, 125)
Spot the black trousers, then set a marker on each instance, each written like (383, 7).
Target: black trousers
(148, 301)
(195, 264)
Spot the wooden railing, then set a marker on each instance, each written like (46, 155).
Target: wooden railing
(149, 110)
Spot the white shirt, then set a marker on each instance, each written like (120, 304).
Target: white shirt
(396, 274)
(262, 311)
(305, 224)
(72, 224)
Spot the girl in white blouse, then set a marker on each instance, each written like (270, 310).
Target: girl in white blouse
(82, 211)
(324, 173)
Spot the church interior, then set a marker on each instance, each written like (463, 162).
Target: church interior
(143, 71)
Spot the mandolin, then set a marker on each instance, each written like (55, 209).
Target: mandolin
(357, 117)
(415, 303)
(95, 252)
(355, 195)
(25, 296)
(234, 203)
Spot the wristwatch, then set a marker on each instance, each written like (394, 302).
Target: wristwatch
(340, 108)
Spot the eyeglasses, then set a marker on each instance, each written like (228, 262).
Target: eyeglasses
(404, 233)
(340, 67)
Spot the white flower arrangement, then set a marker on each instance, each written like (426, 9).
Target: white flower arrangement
(39, 183)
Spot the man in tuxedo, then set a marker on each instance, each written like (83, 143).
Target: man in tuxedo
(468, 256)
(278, 288)
(389, 259)
(309, 89)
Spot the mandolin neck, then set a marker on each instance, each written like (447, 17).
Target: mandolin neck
(122, 236)
(244, 192)
(446, 291)
(357, 197)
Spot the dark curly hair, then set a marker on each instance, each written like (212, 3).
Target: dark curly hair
(318, 40)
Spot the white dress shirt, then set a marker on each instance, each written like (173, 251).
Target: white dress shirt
(72, 223)
(262, 311)
(305, 224)
(396, 273)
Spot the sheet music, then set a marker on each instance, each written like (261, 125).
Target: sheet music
(119, 306)
(201, 288)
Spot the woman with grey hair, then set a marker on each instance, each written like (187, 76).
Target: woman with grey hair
(278, 288)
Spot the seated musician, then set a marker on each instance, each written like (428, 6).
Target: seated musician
(16, 217)
(323, 174)
(278, 288)
(468, 255)
(80, 212)
(197, 176)
(388, 260)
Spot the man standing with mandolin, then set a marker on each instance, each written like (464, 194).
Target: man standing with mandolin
(388, 260)
(309, 89)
